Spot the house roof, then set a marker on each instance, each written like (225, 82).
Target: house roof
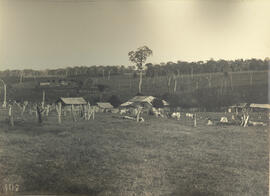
(105, 105)
(255, 105)
(240, 105)
(148, 99)
(128, 103)
(73, 100)
(142, 99)
(165, 103)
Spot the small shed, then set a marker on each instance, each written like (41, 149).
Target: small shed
(68, 102)
(237, 107)
(259, 107)
(104, 106)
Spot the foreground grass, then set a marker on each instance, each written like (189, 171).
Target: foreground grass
(112, 156)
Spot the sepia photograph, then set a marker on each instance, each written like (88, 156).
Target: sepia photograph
(134, 97)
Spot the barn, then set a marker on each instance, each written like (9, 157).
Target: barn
(68, 102)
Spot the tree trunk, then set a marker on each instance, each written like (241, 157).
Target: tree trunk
(140, 82)
(231, 81)
(39, 114)
(250, 78)
(109, 75)
(169, 84)
(59, 111)
(21, 77)
(5, 97)
(43, 100)
(175, 84)
(11, 120)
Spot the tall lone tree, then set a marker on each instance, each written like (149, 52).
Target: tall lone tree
(138, 57)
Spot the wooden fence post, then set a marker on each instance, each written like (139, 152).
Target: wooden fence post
(5, 96)
(195, 120)
(39, 114)
(10, 114)
(43, 100)
(59, 111)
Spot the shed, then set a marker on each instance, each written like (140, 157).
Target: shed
(259, 107)
(72, 101)
(77, 102)
(237, 107)
(104, 106)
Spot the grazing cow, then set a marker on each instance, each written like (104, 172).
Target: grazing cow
(210, 122)
(190, 115)
(224, 119)
(176, 115)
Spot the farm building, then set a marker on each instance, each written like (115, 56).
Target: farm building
(68, 102)
(237, 107)
(144, 101)
(44, 83)
(259, 107)
(104, 106)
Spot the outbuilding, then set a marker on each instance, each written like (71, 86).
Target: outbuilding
(68, 102)
(104, 106)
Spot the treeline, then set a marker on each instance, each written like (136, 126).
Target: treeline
(152, 70)
(210, 66)
(213, 99)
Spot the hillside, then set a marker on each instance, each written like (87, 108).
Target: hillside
(249, 87)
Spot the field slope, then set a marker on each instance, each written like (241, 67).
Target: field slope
(112, 156)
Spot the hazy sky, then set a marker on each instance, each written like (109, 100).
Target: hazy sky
(42, 34)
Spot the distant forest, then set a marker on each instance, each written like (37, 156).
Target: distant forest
(152, 70)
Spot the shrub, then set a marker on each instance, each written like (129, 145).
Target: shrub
(114, 100)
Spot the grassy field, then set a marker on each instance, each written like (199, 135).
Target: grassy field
(113, 156)
(126, 86)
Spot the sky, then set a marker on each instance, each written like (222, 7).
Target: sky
(48, 34)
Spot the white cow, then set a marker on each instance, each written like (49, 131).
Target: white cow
(176, 115)
(224, 119)
(189, 115)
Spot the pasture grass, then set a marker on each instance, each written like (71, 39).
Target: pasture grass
(113, 156)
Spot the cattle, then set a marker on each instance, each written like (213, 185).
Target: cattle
(224, 119)
(176, 115)
(210, 122)
(190, 115)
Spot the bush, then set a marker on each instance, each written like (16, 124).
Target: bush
(114, 100)
(157, 103)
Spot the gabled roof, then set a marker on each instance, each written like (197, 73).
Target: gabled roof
(255, 105)
(105, 105)
(240, 105)
(148, 99)
(141, 100)
(73, 100)
(128, 103)
(165, 103)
